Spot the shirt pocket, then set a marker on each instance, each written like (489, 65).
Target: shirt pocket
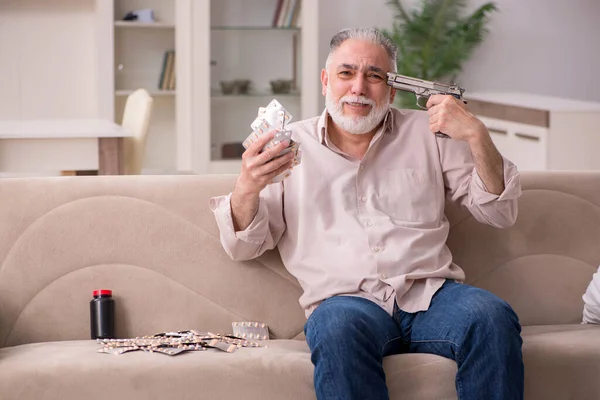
(410, 195)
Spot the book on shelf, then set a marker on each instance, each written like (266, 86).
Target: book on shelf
(167, 74)
(287, 14)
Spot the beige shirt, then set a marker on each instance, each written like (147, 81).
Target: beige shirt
(373, 227)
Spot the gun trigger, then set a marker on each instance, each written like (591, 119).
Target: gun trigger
(422, 106)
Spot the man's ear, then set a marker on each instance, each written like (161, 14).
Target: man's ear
(392, 95)
(324, 81)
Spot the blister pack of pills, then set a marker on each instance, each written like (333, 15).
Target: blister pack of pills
(274, 117)
(250, 330)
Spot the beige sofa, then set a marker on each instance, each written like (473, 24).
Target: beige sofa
(154, 242)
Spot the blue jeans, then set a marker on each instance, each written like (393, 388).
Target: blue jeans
(349, 336)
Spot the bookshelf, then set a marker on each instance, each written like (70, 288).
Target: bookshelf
(214, 40)
(238, 40)
(133, 55)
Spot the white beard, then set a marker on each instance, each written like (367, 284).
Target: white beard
(356, 125)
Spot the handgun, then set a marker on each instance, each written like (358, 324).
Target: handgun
(423, 89)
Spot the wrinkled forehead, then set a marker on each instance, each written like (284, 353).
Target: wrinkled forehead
(362, 55)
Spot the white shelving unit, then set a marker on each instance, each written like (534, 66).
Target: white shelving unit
(234, 39)
(131, 57)
(188, 121)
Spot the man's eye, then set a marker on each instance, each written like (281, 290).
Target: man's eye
(345, 73)
(375, 78)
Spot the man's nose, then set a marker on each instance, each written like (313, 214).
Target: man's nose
(359, 86)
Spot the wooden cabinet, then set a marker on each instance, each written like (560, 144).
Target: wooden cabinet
(540, 132)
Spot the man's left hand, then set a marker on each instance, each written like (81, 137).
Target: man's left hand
(449, 115)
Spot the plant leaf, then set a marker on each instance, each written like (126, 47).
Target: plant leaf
(435, 38)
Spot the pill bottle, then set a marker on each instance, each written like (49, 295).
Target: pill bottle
(102, 315)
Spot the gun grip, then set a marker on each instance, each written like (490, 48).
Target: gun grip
(443, 135)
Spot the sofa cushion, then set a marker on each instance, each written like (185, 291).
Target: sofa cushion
(74, 370)
(562, 362)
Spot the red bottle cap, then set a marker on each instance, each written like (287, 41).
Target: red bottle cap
(101, 292)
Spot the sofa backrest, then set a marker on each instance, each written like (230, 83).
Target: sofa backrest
(154, 242)
(151, 239)
(544, 263)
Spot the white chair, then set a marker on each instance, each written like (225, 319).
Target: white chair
(136, 119)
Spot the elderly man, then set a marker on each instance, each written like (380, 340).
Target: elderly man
(360, 223)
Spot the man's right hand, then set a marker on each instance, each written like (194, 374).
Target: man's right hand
(258, 170)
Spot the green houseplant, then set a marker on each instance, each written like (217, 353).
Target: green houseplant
(434, 39)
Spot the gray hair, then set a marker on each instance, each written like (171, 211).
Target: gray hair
(369, 34)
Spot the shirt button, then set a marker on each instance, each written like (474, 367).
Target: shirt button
(361, 167)
(363, 199)
(377, 249)
(369, 222)
(383, 276)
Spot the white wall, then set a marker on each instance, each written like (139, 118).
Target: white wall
(536, 46)
(47, 59)
(542, 47)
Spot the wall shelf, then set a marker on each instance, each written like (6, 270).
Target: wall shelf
(254, 28)
(154, 92)
(143, 25)
(219, 95)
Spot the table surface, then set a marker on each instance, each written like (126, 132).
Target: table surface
(61, 129)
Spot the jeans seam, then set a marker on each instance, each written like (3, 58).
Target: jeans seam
(435, 341)
(316, 333)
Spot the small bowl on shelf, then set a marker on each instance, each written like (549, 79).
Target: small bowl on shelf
(242, 86)
(237, 86)
(281, 86)
(228, 87)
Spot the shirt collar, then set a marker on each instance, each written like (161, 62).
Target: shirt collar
(388, 123)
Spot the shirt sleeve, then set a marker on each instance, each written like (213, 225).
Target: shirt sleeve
(591, 300)
(261, 235)
(465, 187)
